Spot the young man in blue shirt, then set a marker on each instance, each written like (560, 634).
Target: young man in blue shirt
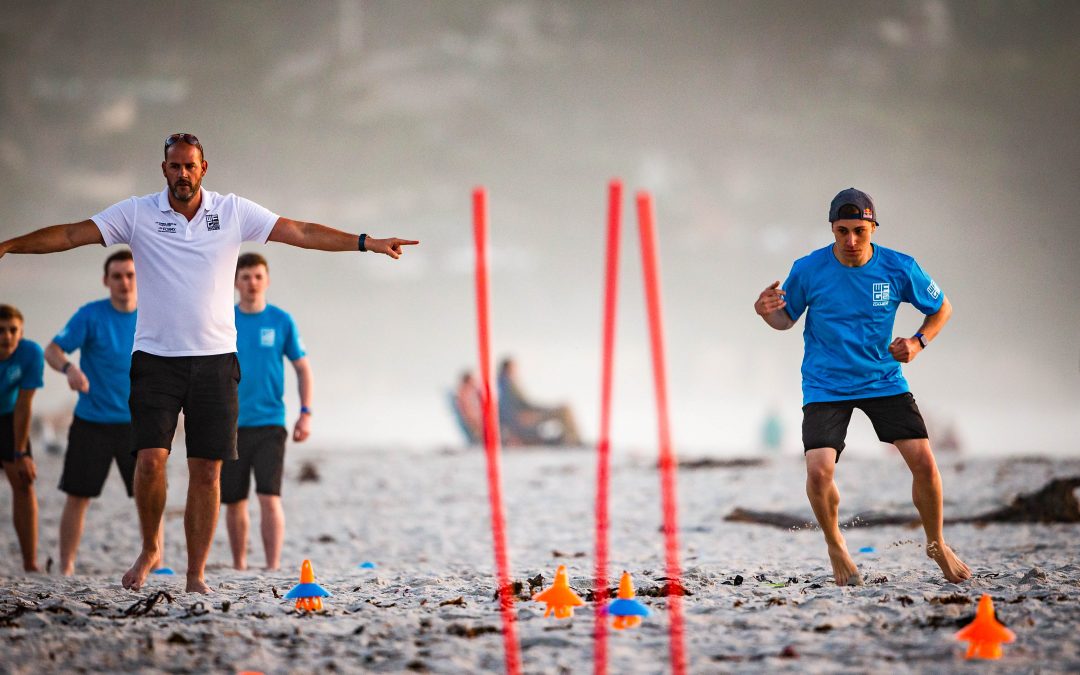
(850, 291)
(265, 335)
(22, 365)
(103, 332)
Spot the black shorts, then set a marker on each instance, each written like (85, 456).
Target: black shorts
(261, 449)
(7, 438)
(204, 387)
(894, 418)
(91, 449)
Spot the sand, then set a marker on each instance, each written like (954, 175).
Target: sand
(761, 598)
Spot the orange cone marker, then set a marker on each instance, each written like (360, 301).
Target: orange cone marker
(308, 594)
(560, 598)
(985, 634)
(626, 610)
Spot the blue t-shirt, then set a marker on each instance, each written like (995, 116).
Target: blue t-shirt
(24, 369)
(104, 337)
(849, 322)
(262, 340)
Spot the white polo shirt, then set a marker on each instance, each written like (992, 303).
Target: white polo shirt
(185, 269)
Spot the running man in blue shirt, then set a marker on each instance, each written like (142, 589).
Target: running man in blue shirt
(265, 335)
(103, 332)
(850, 292)
(22, 366)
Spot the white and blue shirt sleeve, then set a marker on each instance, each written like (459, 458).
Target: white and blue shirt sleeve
(921, 290)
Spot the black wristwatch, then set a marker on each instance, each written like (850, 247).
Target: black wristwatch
(361, 243)
(921, 338)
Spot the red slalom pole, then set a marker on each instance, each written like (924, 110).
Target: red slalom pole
(603, 446)
(651, 266)
(491, 436)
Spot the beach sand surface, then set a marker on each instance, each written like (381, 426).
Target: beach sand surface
(760, 598)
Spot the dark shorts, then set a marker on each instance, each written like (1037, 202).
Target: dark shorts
(91, 449)
(261, 449)
(894, 418)
(7, 438)
(204, 387)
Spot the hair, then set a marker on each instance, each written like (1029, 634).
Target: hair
(123, 254)
(9, 312)
(202, 153)
(251, 260)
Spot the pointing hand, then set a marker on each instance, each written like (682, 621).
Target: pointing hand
(390, 247)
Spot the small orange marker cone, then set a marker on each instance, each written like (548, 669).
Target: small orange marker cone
(308, 594)
(560, 598)
(985, 634)
(626, 610)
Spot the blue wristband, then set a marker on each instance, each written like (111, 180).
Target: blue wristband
(304, 410)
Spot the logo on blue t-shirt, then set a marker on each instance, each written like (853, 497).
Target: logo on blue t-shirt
(881, 294)
(267, 337)
(13, 374)
(933, 289)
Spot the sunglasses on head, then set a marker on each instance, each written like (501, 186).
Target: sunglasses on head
(190, 139)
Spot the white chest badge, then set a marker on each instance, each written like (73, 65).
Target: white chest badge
(881, 294)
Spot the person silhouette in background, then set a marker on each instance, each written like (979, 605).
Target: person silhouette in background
(526, 423)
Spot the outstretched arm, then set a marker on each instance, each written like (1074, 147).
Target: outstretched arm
(54, 238)
(904, 350)
(306, 384)
(323, 238)
(770, 307)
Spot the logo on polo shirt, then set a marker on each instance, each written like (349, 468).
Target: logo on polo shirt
(169, 228)
(212, 222)
(933, 289)
(266, 337)
(881, 294)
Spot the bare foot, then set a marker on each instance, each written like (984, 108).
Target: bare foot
(135, 577)
(67, 571)
(31, 567)
(197, 585)
(844, 570)
(242, 566)
(951, 566)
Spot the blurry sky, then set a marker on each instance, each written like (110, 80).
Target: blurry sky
(743, 118)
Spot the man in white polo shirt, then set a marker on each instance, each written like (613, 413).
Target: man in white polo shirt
(185, 241)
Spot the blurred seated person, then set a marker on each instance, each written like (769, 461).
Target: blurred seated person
(525, 423)
(468, 404)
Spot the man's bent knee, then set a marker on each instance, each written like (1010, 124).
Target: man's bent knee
(919, 457)
(820, 467)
